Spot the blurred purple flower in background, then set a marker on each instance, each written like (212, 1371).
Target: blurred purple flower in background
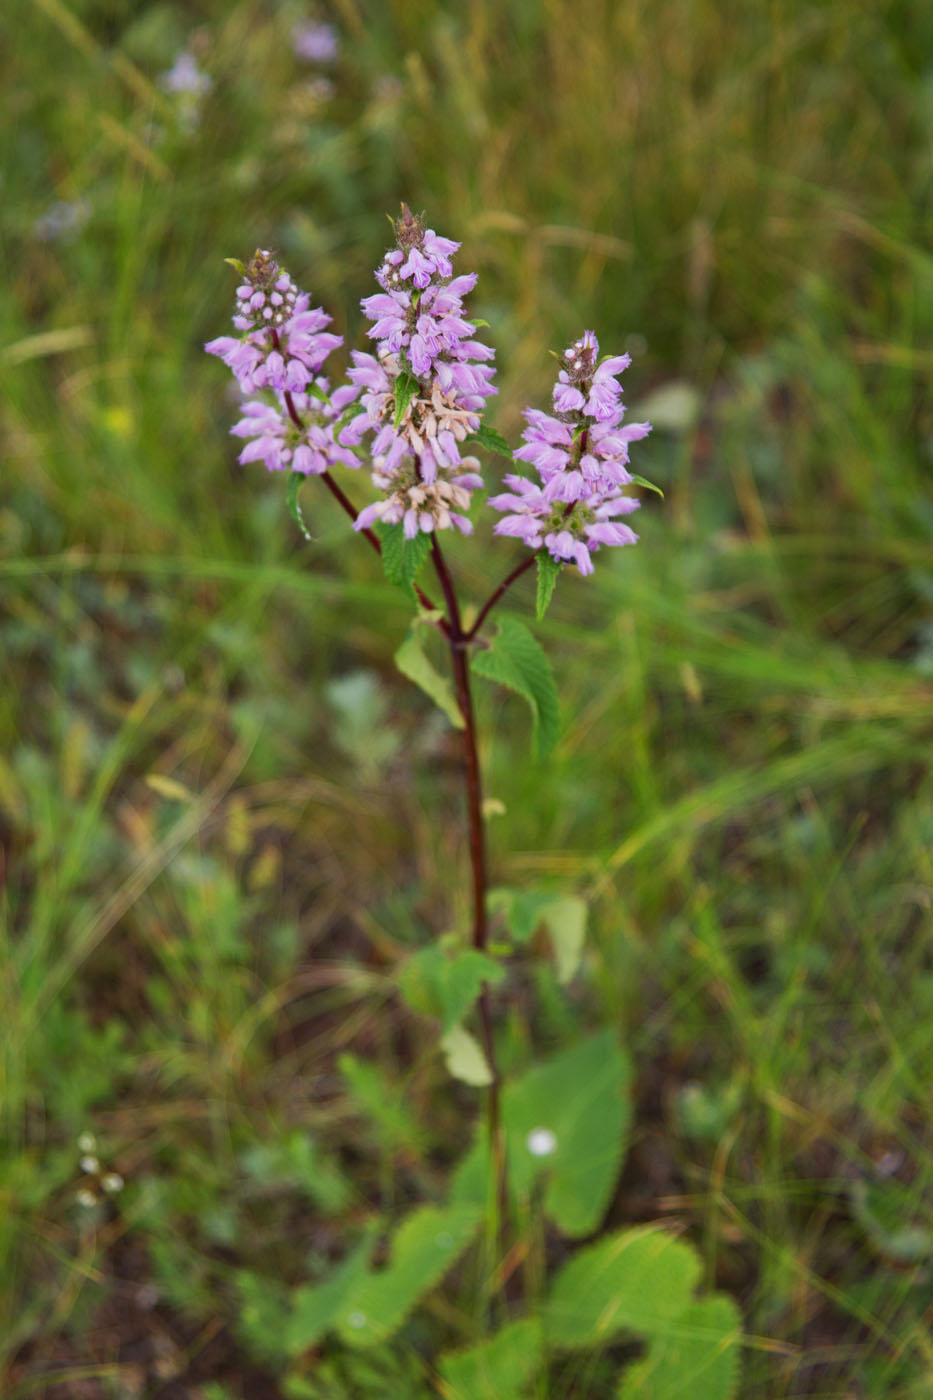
(315, 42)
(185, 78)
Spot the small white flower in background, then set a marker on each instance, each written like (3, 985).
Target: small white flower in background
(541, 1142)
(185, 78)
(108, 1182)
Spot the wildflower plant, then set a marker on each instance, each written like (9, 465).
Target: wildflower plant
(412, 415)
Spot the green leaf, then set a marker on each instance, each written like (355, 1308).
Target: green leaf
(523, 910)
(649, 485)
(490, 439)
(564, 917)
(402, 560)
(465, 1057)
(316, 1305)
(295, 482)
(381, 1102)
(425, 1247)
(413, 663)
(516, 660)
(565, 920)
(406, 388)
(437, 983)
(498, 1369)
(237, 265)
(634, 1281)
(548, 569)
(698, 1356)
(580, 1098)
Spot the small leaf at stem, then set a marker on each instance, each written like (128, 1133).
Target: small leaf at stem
(548, 569)
(413, 663)
(237, 265)
(295, 481)
(649, 485)
(444, 985)
(406, 387)
(465, 1059)
(490, 439)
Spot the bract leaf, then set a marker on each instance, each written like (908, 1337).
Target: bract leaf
(295, 482)
(649, 485)
(548, 570)
(402, 559)
(490, 439)
(406, 388)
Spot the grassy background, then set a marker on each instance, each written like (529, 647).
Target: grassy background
(223, 814)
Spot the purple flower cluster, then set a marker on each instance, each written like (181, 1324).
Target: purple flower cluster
(281, 347)
(283, 446)
(283, 342)
(425, 387)
(581, 455)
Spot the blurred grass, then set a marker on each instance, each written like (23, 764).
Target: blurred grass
(736, 194)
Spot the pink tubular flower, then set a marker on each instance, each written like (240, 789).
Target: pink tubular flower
(425, 350)
(281, 445)
(581, 454)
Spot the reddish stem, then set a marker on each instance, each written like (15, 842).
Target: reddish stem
(494, 597)
(458, 655)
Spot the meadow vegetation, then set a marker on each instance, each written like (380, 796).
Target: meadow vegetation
(226, 818)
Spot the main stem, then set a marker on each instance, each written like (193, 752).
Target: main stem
(459, 644)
